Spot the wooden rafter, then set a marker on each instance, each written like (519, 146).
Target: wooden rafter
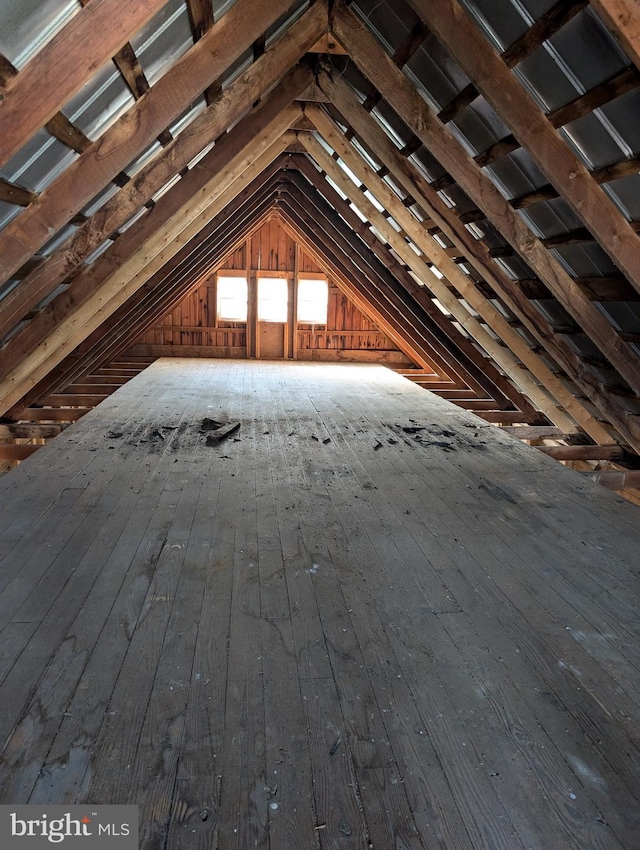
(11, 193)
(224, 112)
(412, 108)
(621, 17)
(136, 130)
(401, 321)
(120, 329)
(458, 352)
(89, 40)
(190, 218)
(516, 350)
(512, 293)
(530, 126)
(448, 336)
(272, 113)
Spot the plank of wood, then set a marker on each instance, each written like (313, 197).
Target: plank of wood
(54, 414)
(411, 107)
(528, 432)
(17, 451)
(582, 452)
(455, 30)
(26, 430)
(86, 42)
(614, 480)
(227, 109)
(136, 130)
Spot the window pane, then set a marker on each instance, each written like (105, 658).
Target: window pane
(272, 299)
(313, 296)
(232, 299)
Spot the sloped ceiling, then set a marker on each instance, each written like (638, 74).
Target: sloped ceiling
(468, 170)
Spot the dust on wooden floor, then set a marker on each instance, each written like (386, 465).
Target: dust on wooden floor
(364, 619)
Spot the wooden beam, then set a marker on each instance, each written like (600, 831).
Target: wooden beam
(372, 135)
(529, 432)
(12, 194)
(124, 140)
(456, 349)
(413, 110)
(200, 17)
(7, 71)
(119, 331)
(29, 431)
(129, 66)
(518, 351)
(623, 168)
(386, 197)
(228, 108)
(64, 131)
(182, 226)
(54, 414)
(621, 17)
(547, 25)
(620, 84)
(17, 451)
(462, 39)
(615, 480)
(583, 452)
(382, 305)
(83, 46)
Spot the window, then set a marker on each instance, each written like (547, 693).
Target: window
(232, 299)
(273, 299)
(313, 296)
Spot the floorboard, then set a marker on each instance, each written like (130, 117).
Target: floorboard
(367, 619)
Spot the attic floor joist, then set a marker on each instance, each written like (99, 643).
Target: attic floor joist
(202, 629)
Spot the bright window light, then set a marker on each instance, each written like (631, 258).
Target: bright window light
(273, 299)
(313, 296)
(232, 299)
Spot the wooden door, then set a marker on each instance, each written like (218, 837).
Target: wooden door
(271, 340)
(273, 315)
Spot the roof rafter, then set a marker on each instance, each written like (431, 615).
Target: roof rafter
(450, 338)
(136, 130)
(226, 110)
(238, 170)
(400, 94)
(89, 40)
(493, 79)
(516, 350)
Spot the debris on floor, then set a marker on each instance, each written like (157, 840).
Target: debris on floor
(218, 431)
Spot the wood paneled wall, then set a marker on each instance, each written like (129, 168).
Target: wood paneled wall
(192, 327)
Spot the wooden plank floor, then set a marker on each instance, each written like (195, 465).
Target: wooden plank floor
(367, 619)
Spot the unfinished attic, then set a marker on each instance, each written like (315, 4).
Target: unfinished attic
(320, 419)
